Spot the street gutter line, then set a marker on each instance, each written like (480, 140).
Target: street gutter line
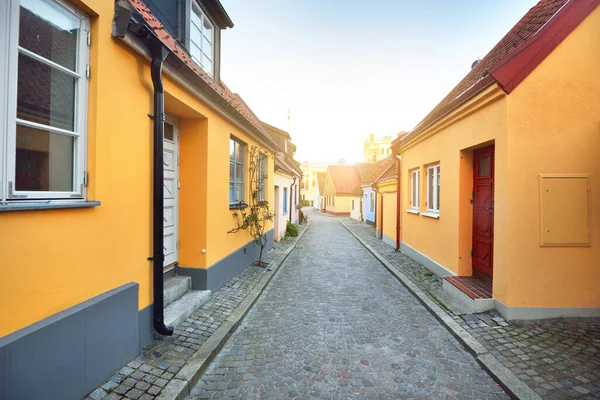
(514, 387)
(189, 375)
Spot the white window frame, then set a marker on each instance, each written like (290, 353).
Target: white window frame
(372, 202)
(10, 50)
(241, 179)
(433, 210)
(415, 191)
(196, 9)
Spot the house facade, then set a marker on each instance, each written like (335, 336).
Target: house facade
(309, 186)
(319, 199)
(287, 178)
(340, 181)
(497, 182)
(385, 186)
(369, 195)
(356, 196)
(123, 161)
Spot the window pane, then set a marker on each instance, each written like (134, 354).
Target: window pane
(207, 65)
(238, 172)
(239, 192)
(430, 188)
(44, 161)
(195, 35)
(196, 18)
(438, 188)
(196, 53)
(231, 149)
(231, 193)
(208, 30)
(49, 30)
(238, 153)
(169, 133)
(45, 95)
(231, 171)
(484, 166)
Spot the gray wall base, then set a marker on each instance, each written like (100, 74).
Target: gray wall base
(389, 241)
(221, 272)
(512, 313)
(427, 262)
(68, 354)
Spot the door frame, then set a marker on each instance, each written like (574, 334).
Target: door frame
(478, 269)
(168, 265)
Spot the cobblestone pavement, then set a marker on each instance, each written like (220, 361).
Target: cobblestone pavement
(145, 377)
(332, 324)
(557, 358)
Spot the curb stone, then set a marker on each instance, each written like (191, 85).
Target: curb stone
(180, 386)
(514, 387)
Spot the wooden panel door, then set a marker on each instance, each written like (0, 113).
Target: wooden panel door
(170, 192)
(483, 211)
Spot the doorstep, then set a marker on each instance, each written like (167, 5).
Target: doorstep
(474, 293)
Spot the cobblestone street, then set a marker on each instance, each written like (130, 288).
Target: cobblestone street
(334, 323)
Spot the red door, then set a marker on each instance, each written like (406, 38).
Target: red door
(483, 211)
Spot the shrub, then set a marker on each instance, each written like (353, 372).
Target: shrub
(291, 230)
(305, 203)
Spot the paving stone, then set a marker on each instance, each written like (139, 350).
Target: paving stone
(333, 308)
(112, 396)
(134, 393)
(110, 385)
(98, 394)
(154, 390)
(126, 371)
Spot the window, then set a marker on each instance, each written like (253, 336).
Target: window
(285, 200)
(433, 189)
(333, 202)
(372, 202)
(45, 82)
(202, 38)
(236, 172)
(415, 189)
(261, 185)
(352, 204)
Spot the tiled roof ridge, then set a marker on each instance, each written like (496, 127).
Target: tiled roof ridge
(233, 99)
(526, 28)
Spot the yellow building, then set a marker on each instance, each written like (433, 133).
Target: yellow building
(497, 182)
(309, 186)
(339, 183)
(376, 148)
(385, 185)
(98, 199)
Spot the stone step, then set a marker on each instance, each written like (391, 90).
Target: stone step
(182, 308)
(175, 287)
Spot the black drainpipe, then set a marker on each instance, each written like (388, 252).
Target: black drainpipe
(159, 53)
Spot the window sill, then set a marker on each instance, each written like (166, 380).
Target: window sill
(416, 212)
(431, 214)
(239, 206)
(46, 205)
(285, 213)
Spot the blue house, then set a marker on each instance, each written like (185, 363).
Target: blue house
(369, 204)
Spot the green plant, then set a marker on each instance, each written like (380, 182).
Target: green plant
(305, 203)
(291, 230)
(255, 216)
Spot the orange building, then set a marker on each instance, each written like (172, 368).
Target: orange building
(499, 182)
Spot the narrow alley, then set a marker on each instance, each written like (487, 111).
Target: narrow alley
(334, 323)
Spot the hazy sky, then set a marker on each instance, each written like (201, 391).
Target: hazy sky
(347, 68)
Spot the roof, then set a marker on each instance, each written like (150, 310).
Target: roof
(365, 170)
(379, 169)
(277, 130)
(390, 174)
(181, 53)
(345, 177)
(282, 165)
(321, 176)
(516, 55)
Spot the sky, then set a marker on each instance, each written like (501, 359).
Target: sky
(348, 68)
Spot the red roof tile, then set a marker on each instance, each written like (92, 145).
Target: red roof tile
(169, 41)
(345, 177)
(380, 168)
(541, 24)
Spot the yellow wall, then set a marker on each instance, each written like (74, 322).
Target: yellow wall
(447, 240)
(554, 129)
(386, 195)
(55, 259)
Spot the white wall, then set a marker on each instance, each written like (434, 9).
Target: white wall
(355, 211)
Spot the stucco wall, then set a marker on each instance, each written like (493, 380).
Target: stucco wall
(368, 215)
(554, 129)
(281, 181)
(55, 259)
(355, 212)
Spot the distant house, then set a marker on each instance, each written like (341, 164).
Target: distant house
(308, 186)
(341, 180)
(500, 181)
(319, 197)
(286, 182)
(356, 196)
(369, 202)
(385, 187)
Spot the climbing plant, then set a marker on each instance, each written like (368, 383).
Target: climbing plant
(254, 216)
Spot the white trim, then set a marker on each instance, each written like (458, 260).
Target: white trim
(195, 8)
(8, 129)
(430, 214)
(435, 168)
(416, 212)
(415, 190)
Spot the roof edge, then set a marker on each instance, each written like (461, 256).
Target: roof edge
(510, 71)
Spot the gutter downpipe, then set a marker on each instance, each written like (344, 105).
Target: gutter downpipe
(159, 53)
(398, 181)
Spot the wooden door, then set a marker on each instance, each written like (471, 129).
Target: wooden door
(170, 193)
(483, 211)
